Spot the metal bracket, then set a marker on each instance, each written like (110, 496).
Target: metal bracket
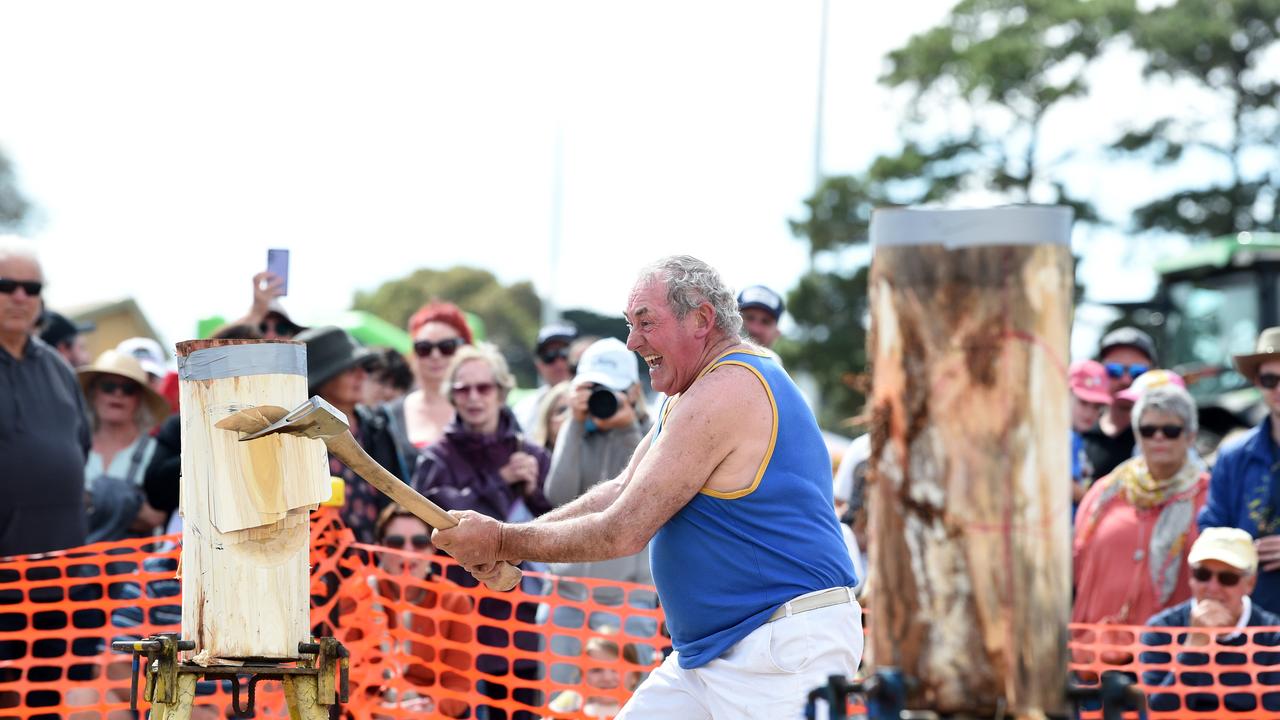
(326, 660)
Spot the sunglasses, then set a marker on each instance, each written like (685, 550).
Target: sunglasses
(421, 541)
(423, 348)
(1268, 381)
(551, 356)
(31, 287)
(1226, 578)
(1170, 431)
(1117, 370)
(484, 389)
(126, 387)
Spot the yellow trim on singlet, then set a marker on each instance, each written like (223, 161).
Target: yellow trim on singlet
(773, 435)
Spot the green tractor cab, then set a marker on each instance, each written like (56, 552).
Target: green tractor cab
(1211, 303)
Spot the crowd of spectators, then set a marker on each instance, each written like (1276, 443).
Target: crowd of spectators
(91, 448)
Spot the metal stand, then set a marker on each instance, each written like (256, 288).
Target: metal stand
(886, 697)
(317, 681)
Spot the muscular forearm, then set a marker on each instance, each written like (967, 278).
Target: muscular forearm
(588, 538)
(592, 501)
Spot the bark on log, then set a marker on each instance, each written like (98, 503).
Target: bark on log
(969, 516)
(245, 506)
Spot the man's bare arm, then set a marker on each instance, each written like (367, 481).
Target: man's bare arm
(595, 499)
(697, 438)
(602, 494)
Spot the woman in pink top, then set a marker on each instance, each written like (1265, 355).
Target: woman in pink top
(1135, 526)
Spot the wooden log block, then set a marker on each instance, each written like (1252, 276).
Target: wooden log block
(245, 506)
(970, 498)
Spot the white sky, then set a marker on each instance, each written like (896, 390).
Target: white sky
(169, 145)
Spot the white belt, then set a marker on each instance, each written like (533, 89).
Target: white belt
(813, 601)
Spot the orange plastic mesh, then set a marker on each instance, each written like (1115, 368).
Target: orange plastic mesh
(424, 640)
(436, 645)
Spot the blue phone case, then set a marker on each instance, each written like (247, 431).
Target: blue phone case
(278, 263)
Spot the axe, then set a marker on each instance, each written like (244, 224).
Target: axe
(317, 419)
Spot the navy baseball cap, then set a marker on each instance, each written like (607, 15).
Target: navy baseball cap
(56, 328)
(561, 332)
(759, 296)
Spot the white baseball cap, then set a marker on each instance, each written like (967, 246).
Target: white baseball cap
(608, 362)
(147, 352)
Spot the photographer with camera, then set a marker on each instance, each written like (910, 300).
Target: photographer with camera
(608, 420)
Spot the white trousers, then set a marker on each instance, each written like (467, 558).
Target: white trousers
(768, 675)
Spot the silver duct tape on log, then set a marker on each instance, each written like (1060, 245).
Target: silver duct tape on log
(952, 229)
(226, 361)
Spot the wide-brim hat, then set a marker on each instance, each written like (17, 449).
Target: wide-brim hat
(113, 362)
(331, 351)
(1268, 348)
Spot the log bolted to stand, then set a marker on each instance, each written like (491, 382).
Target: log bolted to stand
(970, 501)
(245, 506)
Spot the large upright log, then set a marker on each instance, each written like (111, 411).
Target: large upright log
(970, 504)
(245, 506)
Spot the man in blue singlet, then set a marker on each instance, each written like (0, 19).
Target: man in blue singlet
(733, 486)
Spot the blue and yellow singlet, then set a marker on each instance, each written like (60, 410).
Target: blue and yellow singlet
(726, 561)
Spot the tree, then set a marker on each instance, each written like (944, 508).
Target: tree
(830, 345)
(1225, 56)
(13, 207)
(981, 85)
(995, 69)
(595, 324)
(510, 313)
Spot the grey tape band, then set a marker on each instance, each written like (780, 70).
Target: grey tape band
(1014, 225)
(226, 361)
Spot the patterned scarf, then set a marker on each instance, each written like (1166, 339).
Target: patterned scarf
(1174, 496)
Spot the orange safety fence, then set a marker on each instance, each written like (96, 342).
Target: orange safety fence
(424, 639)
(1185, 673)
(427, 642)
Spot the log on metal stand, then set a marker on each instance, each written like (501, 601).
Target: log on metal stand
(970, 503)
(245, 506)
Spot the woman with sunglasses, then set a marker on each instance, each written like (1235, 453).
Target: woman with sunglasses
(122, 410)
(1135, 526)
(484, 463)
(438, 329)
(404, 580)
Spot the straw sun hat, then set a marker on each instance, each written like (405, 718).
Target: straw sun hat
(112, 362)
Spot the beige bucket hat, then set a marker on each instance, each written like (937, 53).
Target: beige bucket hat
(113, 362)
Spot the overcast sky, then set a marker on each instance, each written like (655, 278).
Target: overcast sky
(167, 146)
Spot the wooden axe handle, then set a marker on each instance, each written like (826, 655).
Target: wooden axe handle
(347, 450)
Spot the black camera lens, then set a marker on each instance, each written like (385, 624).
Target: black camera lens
(602, 403)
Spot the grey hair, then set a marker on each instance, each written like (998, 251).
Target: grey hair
(486, 352)
(691, 282)
(12, 246)
(1170, 399)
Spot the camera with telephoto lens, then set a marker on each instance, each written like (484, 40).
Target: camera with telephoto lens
(603, 403)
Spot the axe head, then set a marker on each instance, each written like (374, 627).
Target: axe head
(314, 418)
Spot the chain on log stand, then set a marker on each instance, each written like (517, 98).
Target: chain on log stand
(311, 686)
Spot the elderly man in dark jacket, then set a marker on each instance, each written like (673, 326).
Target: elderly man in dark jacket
(1224, 564)
(1243, 492)
(44, 426)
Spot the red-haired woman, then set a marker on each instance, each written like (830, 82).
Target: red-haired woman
(438, 330)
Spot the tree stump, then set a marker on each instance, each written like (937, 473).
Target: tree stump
(245, 506)
(971, 504)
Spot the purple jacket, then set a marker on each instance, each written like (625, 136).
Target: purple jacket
(460, 471)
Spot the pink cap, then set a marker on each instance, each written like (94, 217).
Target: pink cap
(1088, 380)
(1148, 380)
